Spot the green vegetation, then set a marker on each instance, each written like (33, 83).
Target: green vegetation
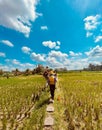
(82, 100)
(78, 102)
(19, 97)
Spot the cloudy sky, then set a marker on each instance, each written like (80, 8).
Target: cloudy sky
(56, 33)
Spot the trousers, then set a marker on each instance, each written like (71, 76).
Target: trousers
(52, 90)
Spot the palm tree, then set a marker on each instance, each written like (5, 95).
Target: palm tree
(27, 72)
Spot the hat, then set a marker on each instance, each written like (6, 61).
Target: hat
(51, 72)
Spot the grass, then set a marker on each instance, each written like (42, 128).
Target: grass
(82, 100)
(18, 95)
(78, 102)
(36, 120)
(59, 117)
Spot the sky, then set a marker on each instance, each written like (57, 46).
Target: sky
(54, 33)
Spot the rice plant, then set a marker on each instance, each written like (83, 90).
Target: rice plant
(82, 100)
(18, 97)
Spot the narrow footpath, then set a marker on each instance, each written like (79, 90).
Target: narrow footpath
(55, 118)
(49, 119)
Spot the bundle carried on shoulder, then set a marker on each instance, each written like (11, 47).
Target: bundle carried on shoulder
(51, 78)
(45, 74)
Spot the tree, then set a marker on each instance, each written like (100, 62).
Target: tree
(39, 69)
(34, 71)
(27, 72)
(91, 67)
(1, 72)
(16, 72)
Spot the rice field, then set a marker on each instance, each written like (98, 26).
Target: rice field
(19, 96)
(23, 101)
(82, 100)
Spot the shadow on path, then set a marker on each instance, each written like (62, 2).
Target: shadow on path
(44, 102)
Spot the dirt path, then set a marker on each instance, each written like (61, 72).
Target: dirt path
(57, 116)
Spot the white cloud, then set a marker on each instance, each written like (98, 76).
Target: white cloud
(91, 22)
(77, 64)
(37, 57)
(88, 34)
(93, 27)
(57, 54)
(21, 67)
(4, 67)
(12, 64)
(57, 47)
(17, 15)
(13, 61)
(29, 65)
(26, 50)
(39, 14)
(58, 42)
(44, 28)
(56, 59)
(53, 62)
(71, 53)
(8, 43)
(16, 62)
(51, 45)
(2, 54)
(98, 38)
(95, 52)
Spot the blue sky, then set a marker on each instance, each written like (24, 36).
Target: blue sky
(54, 33)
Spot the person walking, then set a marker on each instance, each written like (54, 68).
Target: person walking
(45, 74)
(52, 84)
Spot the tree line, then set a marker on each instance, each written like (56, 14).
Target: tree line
(93, 67)
(39, 69)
